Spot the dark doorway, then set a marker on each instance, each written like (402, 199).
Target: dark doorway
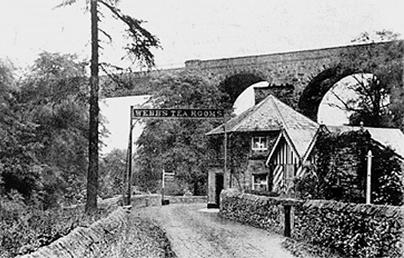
(219, 188)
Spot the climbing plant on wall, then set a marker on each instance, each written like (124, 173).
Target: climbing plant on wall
(340, 169)
(239, 148)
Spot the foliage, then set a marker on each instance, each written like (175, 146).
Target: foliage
(112, 169)
(53, 97)
(379, 101)
(238, 150)
(141, 41)
(387, 178)
(43, 124)
(178, 145)
(326, 227)
(24, 229)
(341, 167)
(307, 186)
(18, 146)
(376, 36)
(352, 230)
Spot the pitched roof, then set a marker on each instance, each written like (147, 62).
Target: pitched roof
(387, 137)
(271, 114)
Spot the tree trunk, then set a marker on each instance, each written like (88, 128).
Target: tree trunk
(92, 176)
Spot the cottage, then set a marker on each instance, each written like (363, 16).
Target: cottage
(281, 143)
(271, 128)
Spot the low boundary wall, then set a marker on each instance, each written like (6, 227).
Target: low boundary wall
(353, 230)
(98, 239)
(186, 199)
(94, 241)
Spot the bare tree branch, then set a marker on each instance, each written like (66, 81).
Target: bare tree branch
(105, 34)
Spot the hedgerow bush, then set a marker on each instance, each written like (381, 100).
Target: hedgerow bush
(353, 230)
(24, 228)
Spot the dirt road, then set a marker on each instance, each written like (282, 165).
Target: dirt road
(196, 232)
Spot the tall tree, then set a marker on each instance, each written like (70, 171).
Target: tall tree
(140, 47)
(112, 169)
(17, 147)
(92, 176)
(53, 97)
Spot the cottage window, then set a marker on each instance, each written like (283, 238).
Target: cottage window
(259, 143)
(260, 182)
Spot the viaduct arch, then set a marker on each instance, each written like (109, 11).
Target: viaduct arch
(299, 78)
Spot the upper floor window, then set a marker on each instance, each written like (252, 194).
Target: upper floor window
(259, 143)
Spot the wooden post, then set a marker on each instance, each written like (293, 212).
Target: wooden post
(162, 187)
(225, 151)
(288, 230)
(369, 178)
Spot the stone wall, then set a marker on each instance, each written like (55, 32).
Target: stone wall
(106, 234)
(353, 230)
(94, 241)
(187, 199)
(259, 211)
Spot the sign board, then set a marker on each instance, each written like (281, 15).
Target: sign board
(177, 113)
(169, 176)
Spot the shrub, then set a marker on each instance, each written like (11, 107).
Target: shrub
(341, 167)
(24, 229)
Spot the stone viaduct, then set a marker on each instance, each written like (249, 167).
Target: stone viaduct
(296, 77)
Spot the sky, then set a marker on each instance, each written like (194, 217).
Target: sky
(194, 29)
(190, 29)
(117, 114)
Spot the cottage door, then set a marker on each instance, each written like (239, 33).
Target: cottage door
(219, 187)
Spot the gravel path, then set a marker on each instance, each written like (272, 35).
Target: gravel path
(197, 232)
